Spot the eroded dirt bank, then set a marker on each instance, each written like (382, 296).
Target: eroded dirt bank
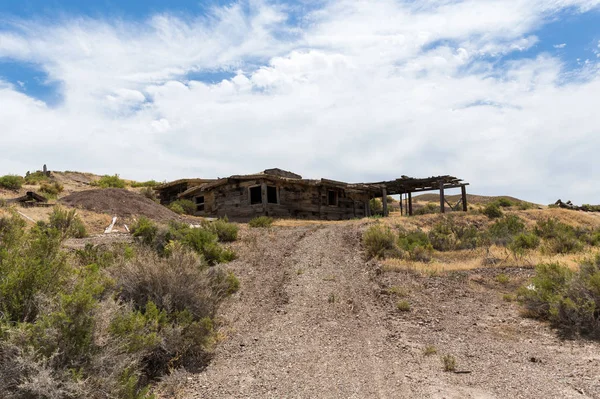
(314, 320)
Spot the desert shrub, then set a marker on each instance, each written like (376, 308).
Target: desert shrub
(36, 178)
(67, 222)
(449, 362)
(148, 184)
(225, 231)
(569, 300)
(261, 221)
(492, 211)
(11, 182)
(523, 205)
(145, 229)
(182, 206)
(108, 181)
(31, 266)
(429, 350)
(427, 209)
(403, 306)
(149, 193)
(52, 189)
(560, 237)
(447, 235)
(376, 206)
(503, 231)
(378, 240)
(504, 202)
(417, 244)
(100, 323)
(502, 279)
(177, 208)
(523, 242)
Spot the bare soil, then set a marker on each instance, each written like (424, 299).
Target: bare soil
(119, 202)
(313, 319)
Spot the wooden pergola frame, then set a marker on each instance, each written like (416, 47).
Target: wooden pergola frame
(408, 185)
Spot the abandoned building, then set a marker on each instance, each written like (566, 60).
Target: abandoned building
(282, 194)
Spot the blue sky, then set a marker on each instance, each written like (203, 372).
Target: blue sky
(487, 90)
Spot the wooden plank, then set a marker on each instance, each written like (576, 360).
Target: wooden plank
(410, 207)
(463, 191)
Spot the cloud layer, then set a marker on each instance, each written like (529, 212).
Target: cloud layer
(351, 90)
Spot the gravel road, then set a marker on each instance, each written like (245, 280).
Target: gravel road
(313, 319)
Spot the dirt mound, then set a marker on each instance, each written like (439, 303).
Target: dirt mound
(119, 202)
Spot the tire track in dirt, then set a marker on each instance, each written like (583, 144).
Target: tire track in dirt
(305, 323)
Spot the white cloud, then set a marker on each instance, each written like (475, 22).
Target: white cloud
(559, 46)
(357, 92)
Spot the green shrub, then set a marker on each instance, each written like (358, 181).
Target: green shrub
(504, 202)
(502, 279)
(148, 184)
(108, 181)
(427, 209)
(145, 229)
(67, 222)
(376, 206)
(11, 182)
(503, 231)
(261, 221)
(378, 240)
(447, 235)
(149, 193)
(492, 211)
(429, 350)
(449, 363)
(36, 178)
(417, 244)
(524, 242)
(227, 232)
(52, 189)
(569, 300)
(560, 237)
(182, 206)
(177, 208)
(100, 323)
(403, 306)
(31, 266)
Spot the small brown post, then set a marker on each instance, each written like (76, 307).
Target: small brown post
(263, 187)
(442, 199)
(384, 201)
(410, 211)
(463, 190)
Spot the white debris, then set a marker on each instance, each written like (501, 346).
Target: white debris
(126, 228)
(531, 287)
(109, 229)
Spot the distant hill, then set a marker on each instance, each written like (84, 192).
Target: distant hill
(472, 199)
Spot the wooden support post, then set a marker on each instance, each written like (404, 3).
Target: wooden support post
(384, 201)
(263, 187)
(442, 199)
(401, 207)
(410, 211)
(463, 190)
(367, 209)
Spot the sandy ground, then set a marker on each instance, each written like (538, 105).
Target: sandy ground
(313, 319)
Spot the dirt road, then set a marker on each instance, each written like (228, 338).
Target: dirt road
(314, 320)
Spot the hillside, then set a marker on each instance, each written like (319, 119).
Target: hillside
(315, 317)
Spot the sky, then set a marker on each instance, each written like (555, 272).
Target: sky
(503, 94)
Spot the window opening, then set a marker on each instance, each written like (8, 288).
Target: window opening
(200, 204)
(272, 195)
(255, 195)
(332, 197)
